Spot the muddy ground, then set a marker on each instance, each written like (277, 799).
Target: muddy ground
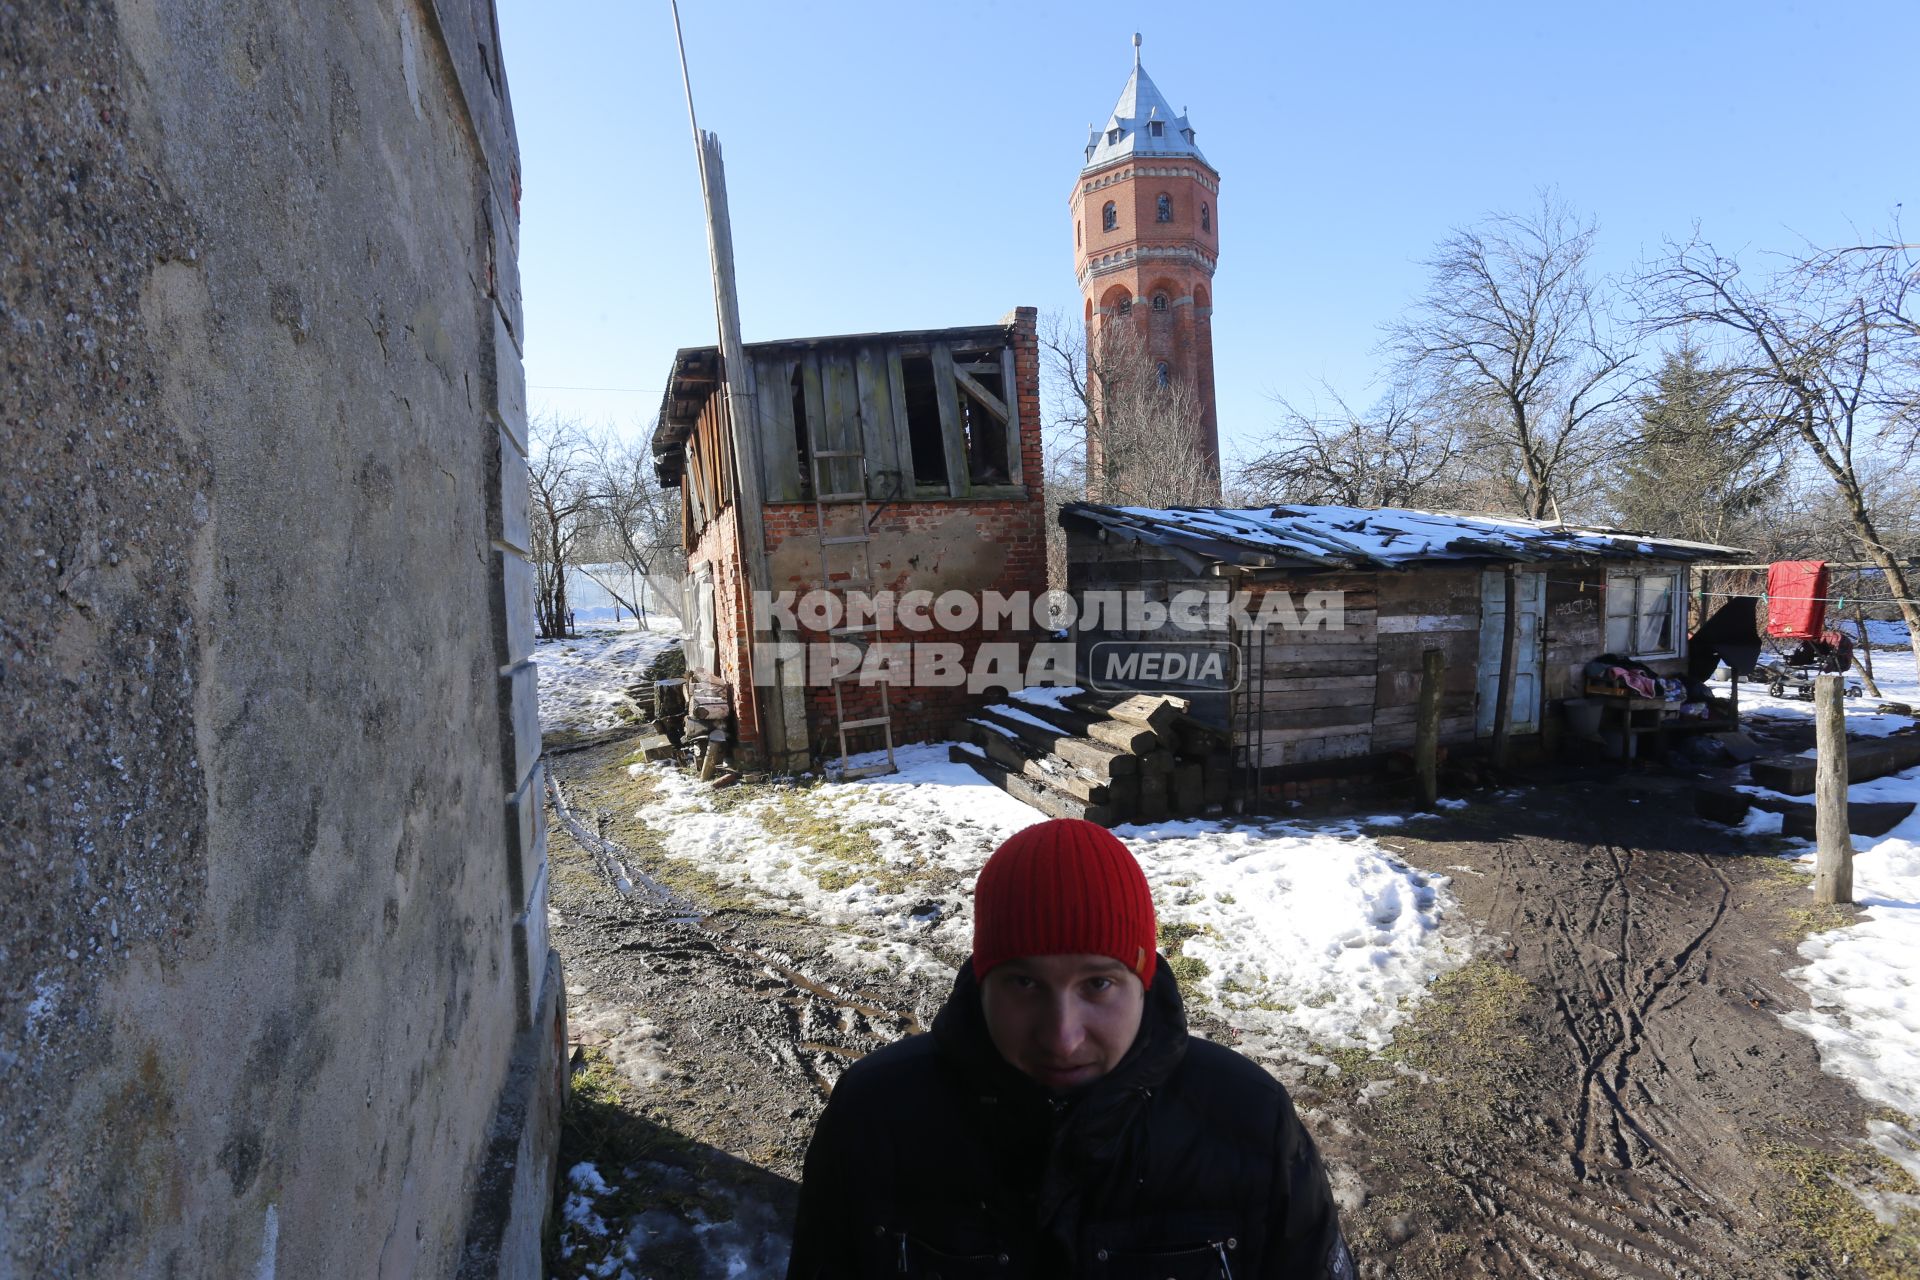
(1605, 1091)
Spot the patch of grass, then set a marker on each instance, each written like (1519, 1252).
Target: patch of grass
(1820, 1203)
(1171, 937)
(1467, 1020)
(1807, 921)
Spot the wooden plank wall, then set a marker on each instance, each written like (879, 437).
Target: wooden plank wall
(1419, 609)
(1575, 628)
(1093, 565)
(1312, 693)
(855, 398)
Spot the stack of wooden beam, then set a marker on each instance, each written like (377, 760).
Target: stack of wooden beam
(1105, 758)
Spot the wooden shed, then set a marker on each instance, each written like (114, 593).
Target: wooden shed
(1324, 678)
(890, 464)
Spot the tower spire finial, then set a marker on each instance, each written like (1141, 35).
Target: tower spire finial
(1136, 48)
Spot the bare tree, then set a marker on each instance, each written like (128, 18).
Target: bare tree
(1823, 355)
(558, 458)
(1511, 334)
(1139, 429)
(1402, 452)
(636, 524)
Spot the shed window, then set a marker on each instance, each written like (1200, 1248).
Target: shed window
(923, 421)
(1646, 615)
(1163, 208)
(1109, 217)
(986, 435)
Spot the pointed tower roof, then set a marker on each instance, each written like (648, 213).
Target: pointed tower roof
(1131, 130)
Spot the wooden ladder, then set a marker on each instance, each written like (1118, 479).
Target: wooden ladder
(823, 497)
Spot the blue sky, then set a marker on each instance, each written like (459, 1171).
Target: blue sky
(908, 165)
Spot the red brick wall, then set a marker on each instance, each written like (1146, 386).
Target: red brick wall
(1182, 335)
(971, 545)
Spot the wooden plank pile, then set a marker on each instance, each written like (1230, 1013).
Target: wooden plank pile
(1105, 758)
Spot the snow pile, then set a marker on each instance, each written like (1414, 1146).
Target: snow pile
(1297, 934)
(1309, 935)
(1861, 979)
(581, 680)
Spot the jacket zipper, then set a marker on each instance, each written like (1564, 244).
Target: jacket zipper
(1220, 1247)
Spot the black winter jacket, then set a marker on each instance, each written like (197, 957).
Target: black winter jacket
(935, 1158)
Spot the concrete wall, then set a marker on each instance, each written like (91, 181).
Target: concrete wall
(275, 994)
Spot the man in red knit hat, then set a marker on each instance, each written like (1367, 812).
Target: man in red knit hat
(1059, 1121)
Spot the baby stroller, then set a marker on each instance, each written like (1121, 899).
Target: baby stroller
(1830, 653)
(1797, 610)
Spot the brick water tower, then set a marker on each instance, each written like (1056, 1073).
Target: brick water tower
(1146, 237)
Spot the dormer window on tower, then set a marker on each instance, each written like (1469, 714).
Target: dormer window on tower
(1157, 128)
(1113, 136)
(1109, 217)
(1163, 208)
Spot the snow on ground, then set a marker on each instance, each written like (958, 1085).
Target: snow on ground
(1862, 979)
(581, 679)
(1298, 935)
(1893, 672)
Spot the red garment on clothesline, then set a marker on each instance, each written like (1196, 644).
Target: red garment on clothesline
(1796, 598)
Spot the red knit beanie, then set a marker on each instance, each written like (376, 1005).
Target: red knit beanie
(1064, 887)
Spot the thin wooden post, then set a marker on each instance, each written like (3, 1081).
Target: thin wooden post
(1426, 730)
(1833, 866)
(1509, 649)
(768, 710)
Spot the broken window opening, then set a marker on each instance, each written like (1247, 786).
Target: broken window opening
(800, 433)
(923, 421)
(986, 435)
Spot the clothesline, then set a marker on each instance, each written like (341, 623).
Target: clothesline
(1834, 600)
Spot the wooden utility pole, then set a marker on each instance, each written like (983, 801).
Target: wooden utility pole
(1426, 730)
(761, 690)
(1833, 865)
(1509, 649)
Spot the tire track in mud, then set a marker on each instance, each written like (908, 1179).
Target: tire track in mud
(1627, 1138)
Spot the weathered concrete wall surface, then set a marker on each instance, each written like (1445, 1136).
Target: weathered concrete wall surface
(275, 995)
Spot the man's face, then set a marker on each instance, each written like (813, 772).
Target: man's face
(1063, 1020)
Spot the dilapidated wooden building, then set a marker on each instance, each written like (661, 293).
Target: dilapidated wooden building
(891, 463)
(1325, 677)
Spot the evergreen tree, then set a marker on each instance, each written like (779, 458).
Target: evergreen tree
(1695, 468)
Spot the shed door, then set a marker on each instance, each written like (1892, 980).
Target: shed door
(1526, 678)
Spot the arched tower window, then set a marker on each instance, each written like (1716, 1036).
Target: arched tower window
(1163, 208)
(1159, 302)
(1206, 216)
(1161, 374)
(1109, 217)
(1125, 305)
(1076, 235)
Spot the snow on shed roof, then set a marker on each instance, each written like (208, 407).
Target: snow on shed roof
(1370, 537)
